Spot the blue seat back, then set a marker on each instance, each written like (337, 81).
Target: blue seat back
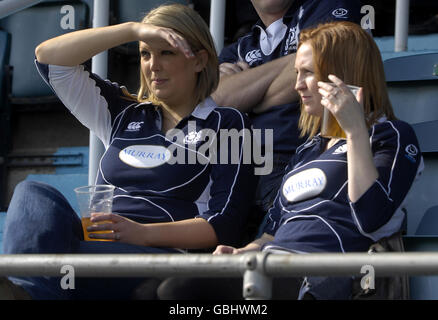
(135, 10)
(30, 27)
(5, 125)
(422, 200)
(413, 86)
(413, 89)
(4, 61)
(429, 223)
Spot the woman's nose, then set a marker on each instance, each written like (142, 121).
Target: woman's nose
(154, 62)
(299, 85)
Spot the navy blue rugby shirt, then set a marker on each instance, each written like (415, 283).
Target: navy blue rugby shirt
(137, 158)
(312, 211)
(255, 50)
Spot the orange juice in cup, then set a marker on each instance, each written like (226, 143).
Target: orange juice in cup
(94, 199)
(86, 222)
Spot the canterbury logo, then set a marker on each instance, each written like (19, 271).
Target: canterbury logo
(253, 56)
(134, 126)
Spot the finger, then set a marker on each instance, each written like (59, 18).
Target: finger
(223, 250)
(171, 39)
(227, 71)
(218, 250)
(326, 103)
(100, 216)
(229, 68)
(103, 236)
(360, 96)
(326, 86)
(176, 41)
(327, 95)
(242, 65)
(183, 45)
(101, 227)
(339, 83)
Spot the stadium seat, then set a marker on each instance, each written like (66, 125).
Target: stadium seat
(26, 83)
(413, 83)
(4, 111)
(424, 200)
(413, 90)
(4, 61)
(429, 223)
(135, 10)
(4, 90)
(23, 89)
(417, 44)
(2, 223)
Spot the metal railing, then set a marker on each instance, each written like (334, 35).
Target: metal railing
(257, 269)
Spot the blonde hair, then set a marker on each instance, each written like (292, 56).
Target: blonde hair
(189, 24)
(350, 53)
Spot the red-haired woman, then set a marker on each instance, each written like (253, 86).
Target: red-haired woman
(338, 194)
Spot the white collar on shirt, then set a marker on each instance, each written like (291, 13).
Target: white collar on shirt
(203, 109)
(273, 35)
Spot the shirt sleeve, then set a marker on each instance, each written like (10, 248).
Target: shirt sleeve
(232, 181)
(397, 158)
(93, 101)
(229, 54)
(273, 217)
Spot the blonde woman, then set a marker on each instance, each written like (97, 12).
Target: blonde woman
(159, 206)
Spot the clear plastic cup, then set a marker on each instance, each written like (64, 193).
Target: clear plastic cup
(94, 199)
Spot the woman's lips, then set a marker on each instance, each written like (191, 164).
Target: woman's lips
(159, 81)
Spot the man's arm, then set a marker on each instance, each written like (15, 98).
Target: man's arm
(282, 89)
(269, 84)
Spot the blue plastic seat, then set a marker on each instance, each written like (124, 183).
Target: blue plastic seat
(4, 90)
(2, 222)
(135, 10)
(429, 223)
(422, 199)
(4, 61)
(30, 27)
(5, 125)
(413, 89)
(422, 210)
(413, 86)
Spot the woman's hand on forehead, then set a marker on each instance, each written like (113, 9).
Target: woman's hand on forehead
(148, 33)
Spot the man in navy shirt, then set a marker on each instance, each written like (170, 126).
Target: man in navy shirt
(257, 77)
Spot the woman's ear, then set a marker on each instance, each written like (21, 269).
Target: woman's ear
(201, 57)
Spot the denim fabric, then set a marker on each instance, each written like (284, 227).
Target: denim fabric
(40, 220)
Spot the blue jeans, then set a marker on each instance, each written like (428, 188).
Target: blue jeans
(40, 220)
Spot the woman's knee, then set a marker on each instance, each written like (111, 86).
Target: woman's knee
(39, 219)
(29, 187)
(35, 198)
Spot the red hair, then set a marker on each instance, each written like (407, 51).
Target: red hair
(350, 53)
